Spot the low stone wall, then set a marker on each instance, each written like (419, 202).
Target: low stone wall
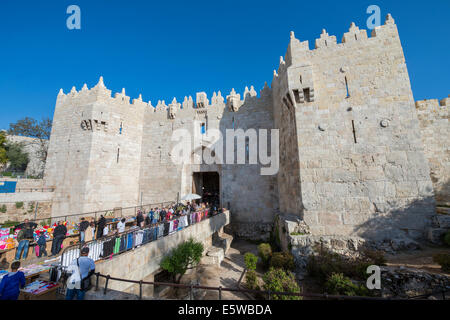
(25, 197)
(141, 263)
(401, 282)
(26, 210)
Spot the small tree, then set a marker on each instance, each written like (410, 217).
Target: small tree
(29, 127)
(186, 256)
(16, 155)
(3, 157)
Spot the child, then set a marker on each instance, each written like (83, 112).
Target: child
(42, 243)
(12, 282)
(105, 230)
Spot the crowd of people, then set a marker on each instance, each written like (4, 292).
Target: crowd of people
(88, 231)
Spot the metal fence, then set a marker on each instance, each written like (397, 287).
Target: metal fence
(112, 245)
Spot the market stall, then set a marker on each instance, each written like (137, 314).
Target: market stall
(39, 290)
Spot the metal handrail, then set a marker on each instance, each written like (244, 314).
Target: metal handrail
(76, 247)
(221, 289)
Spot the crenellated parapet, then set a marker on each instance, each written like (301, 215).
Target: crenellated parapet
(99, 93)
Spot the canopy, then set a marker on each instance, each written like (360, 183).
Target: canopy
(190, 197)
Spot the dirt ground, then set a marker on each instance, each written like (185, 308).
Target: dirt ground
(418, 259)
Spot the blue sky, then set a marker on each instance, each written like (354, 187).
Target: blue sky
(166, 49)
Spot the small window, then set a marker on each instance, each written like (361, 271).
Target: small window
(306, 94)
(346, 88)
(120, 129)
(232, 123)
(118, 152)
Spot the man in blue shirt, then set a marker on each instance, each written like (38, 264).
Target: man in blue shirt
(12, 282)
(86, 267)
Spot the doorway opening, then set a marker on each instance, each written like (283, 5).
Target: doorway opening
(207, 185)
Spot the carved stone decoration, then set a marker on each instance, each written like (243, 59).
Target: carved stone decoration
(384, 123)
(173, 107)
(233, 101)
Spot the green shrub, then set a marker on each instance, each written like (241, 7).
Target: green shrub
(251, 280)
(7, 174)
(186, 256)
(281, 281)
(443, 259)
(338, 284)
(3, 209)
(265, 253)
(447, 238)
(19, 205)
(250, 261)
(283, 260)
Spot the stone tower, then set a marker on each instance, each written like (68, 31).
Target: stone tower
(94, 152)
(351, 157)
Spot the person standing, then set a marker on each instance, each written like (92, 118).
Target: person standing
(140, 219)
(79, 282)
(12, 282)
(26, 235)
(89, 232)
(121, 225)
(42, 243)
(100, 226)
(59, 234)
(82, 227)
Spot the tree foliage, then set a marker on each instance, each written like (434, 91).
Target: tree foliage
(281, 281)
(17, 157)
(3, 157)
(186, 256)
(29, 127)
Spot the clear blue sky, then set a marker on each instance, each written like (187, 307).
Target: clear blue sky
(166, 49)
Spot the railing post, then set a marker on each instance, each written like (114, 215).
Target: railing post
(269, 294)
(140, 289)
(190, 293)
(96, 281)
(220, 292)
(106, 283)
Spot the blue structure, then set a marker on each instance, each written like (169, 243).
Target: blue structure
(8, 186)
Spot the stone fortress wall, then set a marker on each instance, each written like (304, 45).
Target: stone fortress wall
(353, 160)
(360, 167)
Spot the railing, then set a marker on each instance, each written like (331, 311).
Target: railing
(35, 190)
(123, 212)
(112, 245)
(269, 294)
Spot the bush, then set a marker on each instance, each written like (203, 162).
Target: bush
(443, 259)
(250, 261)
(281, 281)
(3, 209)
(265, 253)
(251, 280)
(19, 205)
(338, 284)
(283, 260)
(447, 238)
(9, 224)
(186, 256)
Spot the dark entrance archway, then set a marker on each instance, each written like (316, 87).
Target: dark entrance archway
(207, 185)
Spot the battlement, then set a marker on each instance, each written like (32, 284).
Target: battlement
(432, 104)
(100, 93)
(300, 50)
